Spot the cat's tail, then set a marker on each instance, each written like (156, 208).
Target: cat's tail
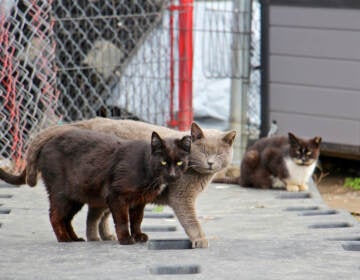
(13, 179)
(227, 180)
(250, 161)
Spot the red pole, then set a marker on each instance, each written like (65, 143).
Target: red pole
(185, 115)
(172, 122)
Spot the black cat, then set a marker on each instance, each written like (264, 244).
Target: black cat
(82, 166)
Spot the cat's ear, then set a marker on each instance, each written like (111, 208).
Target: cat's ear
(292, 139)
(229, 137)
(157, 143)
(196, 132)
(184, 143)
(317, 141)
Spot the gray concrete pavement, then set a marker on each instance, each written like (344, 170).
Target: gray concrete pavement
(254, 234)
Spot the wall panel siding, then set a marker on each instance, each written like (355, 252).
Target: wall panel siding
(324, 18)
(322, 102)
(314, 72)
(318, 43)
(332, 130)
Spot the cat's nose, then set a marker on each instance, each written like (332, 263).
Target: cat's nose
(172, 173)
(210, 163)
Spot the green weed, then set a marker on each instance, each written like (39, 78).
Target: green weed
(353, 183)
(158, 209)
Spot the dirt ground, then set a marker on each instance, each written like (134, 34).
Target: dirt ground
(330, 182)
(337, 196)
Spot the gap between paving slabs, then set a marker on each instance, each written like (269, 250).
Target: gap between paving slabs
(169, 244)
(352, 243)
(351, 246)
(4, 211)
(172, 244)
(6, 196)
(6, 185)
(319, 213)
(295, 195)
(173, 270)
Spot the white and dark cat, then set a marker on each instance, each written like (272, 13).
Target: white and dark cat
(211, 151)
(278, 161)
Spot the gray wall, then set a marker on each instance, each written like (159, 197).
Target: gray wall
(314, 72)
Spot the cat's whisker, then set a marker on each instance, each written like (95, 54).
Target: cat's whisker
(193, 165)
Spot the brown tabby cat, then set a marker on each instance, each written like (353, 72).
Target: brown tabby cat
(211, 151)
(289, 161)
(82, 166)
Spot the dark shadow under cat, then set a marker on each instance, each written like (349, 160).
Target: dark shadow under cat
(278, 161)
(86, 167)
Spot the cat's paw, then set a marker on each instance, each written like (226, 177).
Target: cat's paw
(79, 239)
(304, 187)
(292, 188)
(110, 237)
(200, 243)
(127, 241)
(93, 238)
(277, 183)
(141, 237)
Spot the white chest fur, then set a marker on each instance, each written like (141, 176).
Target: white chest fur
(298, 174)
(161, 188)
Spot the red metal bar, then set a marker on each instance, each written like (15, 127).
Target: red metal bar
(185, 45)
(172, 122)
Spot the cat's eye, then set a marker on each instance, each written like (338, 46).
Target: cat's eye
(308, 153)
(163, 162)
(179, 163)
(298, 152)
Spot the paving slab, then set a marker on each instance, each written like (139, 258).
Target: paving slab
(254, 234)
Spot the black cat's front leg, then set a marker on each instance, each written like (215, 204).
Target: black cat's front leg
(120, 212)
(136, 217)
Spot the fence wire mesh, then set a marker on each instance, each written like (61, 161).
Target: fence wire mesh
(27, 77)
(96, 41)
(67, 60)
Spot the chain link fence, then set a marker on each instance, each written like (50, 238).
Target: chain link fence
(27, 78)
(64, 61)
(97, 41)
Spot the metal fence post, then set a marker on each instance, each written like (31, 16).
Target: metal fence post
(240, 74)
(185, 116)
